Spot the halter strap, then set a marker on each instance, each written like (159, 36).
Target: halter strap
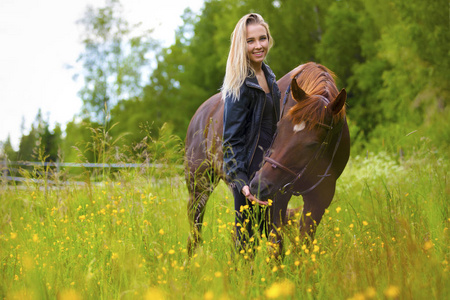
(276, 164)
(288, 91)
(322, 177)
(319, 151)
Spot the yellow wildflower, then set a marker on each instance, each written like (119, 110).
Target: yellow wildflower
(427, 246)
(208, 295)
(358, 296)
(154, 293)
(70, 294)
(280, 289)
(370, 292)
(392, 292)
(35, 238)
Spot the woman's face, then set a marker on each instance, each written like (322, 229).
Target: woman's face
(257, 44)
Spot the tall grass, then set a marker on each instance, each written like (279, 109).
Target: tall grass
(385, 235)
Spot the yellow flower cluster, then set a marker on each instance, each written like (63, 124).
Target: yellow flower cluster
(284, 288)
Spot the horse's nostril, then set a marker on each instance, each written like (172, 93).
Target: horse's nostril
(260, 188)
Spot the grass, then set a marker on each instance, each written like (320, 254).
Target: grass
(385, 236)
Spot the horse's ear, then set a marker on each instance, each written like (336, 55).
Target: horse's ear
(339, 102)
(297, 93)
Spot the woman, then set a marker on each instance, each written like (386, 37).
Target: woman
(252, 109)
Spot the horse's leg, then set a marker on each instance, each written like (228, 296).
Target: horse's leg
(314, 207)
(277, 218)
(200, 186)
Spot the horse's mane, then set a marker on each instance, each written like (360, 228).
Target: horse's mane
(315, 80)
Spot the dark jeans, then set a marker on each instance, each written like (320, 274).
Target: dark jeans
(247, 214)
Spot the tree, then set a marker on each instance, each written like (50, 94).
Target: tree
(41, 142)
(114, 60)
(50, 142)
(377, 49)
(178, 84)
(8, 150)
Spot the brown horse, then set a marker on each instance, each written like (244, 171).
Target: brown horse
(308, 154)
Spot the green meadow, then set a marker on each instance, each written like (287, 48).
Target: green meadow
(385, 236)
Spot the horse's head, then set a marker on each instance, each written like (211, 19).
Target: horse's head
(300, 142)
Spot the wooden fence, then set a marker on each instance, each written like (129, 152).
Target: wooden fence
(8, 168)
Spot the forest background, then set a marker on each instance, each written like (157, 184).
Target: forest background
(392, 56)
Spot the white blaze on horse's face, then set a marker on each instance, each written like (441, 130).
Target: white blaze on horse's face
(299, 127)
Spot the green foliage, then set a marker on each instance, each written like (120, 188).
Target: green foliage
(390, 55)
(166, 148)
(28, 143)
(8, 151)
(339, 52)
(187, 74)
(374, 48)
(40, 139)
(78, 134)
(114, 59)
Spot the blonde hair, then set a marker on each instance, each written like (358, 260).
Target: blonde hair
(238, 63)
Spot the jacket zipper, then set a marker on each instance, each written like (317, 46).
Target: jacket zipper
(259, 133)
(273, 97)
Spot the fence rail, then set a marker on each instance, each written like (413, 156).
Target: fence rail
(42, 181)
(85, 165)
(7, 166)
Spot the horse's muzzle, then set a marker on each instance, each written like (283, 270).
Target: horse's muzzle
(260, 188)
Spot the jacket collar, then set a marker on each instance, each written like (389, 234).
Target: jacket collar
(252, 82)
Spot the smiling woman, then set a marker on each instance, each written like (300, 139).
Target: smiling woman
(258, 44)
(257, 48)
(251, 111)
(248, 109)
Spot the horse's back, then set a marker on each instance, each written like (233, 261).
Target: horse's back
(204, 134)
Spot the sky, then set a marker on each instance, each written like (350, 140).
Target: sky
(40, 38)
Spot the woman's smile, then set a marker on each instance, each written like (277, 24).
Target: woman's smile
(257, 44)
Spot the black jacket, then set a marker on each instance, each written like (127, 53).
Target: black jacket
(242, 125)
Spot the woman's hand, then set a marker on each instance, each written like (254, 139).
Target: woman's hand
(246, 192)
